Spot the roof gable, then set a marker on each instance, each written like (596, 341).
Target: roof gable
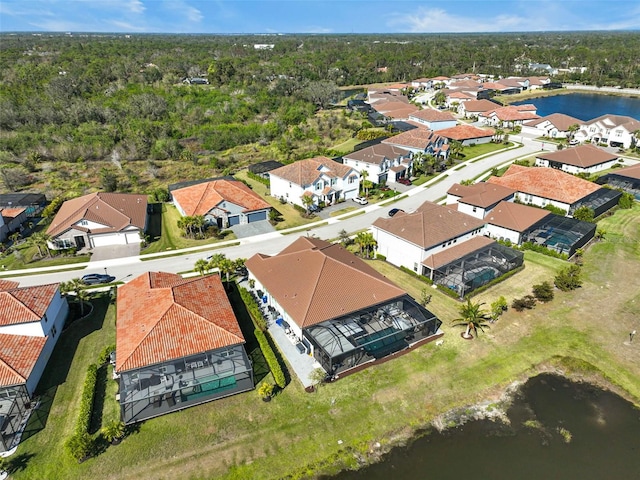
(515, 216)
(202, 198)
(26, 304)
(581, 156)
(18, 356)
(306, 172)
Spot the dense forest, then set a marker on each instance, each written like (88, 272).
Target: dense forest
(69, 103)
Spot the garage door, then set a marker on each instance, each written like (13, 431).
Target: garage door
(112, 239)
(133, 237)
(257, 216)
(234, 220)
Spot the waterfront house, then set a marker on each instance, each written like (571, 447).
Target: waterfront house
(611, 130)
(581, 159)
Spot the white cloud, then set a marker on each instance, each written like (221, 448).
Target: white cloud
(314, 29)
(437, 20)
(184, 10)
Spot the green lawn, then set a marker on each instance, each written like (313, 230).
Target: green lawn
(581, 332)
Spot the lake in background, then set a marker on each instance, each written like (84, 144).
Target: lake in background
(586, 106)
(604, 442)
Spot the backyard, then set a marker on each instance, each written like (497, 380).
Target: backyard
(582, 333)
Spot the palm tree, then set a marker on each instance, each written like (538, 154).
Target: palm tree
(365, 242)
(81, 294)
(226, 266)
(113, 431)
(307, 201)
(473, 317)
(201, 266)
(572, 129)
(214, 261)
(365, 184)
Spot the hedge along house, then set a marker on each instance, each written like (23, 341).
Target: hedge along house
(349, 314)
(222, 202)
(99, 219)
(178, 344)
(31, 320)
(445, 245)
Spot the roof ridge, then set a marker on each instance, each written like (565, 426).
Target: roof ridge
(317, 281)
(198, 317)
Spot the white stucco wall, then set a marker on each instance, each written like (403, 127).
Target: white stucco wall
(476, 212)
(497, 232)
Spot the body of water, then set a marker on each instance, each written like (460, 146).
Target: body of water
(558, 430)
(586, 106)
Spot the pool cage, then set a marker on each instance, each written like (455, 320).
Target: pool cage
(561, 234)
(629, 185)
(369, 334)
(599, 201)
(475, 269)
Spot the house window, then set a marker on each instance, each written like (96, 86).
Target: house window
(319, 186)
(334, 181)
(289, 184)
(618, 133)
(474, 209)
(45, 318)
(415, 267)
(84, 223)
(592, 129)
(352, 179)
(53, 331)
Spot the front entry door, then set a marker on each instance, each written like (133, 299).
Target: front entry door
(79, 241)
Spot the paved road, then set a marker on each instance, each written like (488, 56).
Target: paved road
(271, 243)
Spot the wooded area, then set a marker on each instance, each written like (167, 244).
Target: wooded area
(114, 112)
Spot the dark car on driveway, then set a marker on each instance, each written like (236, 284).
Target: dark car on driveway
(97, 278)
(404, 181)
(393, 211)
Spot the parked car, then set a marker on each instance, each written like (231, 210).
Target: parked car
(96, 278)
(404, 181)
(573, 141)
(393, 211)
(361, 200)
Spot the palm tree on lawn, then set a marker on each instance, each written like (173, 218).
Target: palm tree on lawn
(201, 266)
(226, 266)
(572, 130)
(365, 184)
(366, 242)
(473, 317)
(307, 201)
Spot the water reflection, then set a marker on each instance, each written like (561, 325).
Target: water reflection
(558, 430)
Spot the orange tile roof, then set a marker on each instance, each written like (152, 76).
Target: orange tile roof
(451, 254)
(12, 212)
(305, 172)
(480, 105)
(548, 183)
(25, 304)
(511, 113)
(466, 132)
(419, 138)
(162, 316)
(515, 216)
(18, 356)
(115, 210)
(8, 284)
(430, 225)
(581, 156)
(201, 198)
(432, 115)
(315, 281)
(480, 194)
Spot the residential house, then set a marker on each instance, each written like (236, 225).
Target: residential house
(320, 178)
(221, 202)
(433, 119)
(454, 98)
(445, 245)
(555, 125)
(420, 140)
(99, 219)
(612, 130)
(31, 321)
(474, 108)
(178, 344)
(34, 203)
(347, 314)
(479, 198)
(581, 159)
(383, 163)
(422, 83)
(467, 135)
(627, 179)
(549, 186)
(13, 218)
(510, 116)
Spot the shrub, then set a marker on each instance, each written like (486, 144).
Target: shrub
(526, 302)
(498, 308)
(584, 213)
(379, 256)
(568, 278)
(626, 201)
(86, 400)
(258, 178)
(80, 445)
(105, 353)
(534, 247)
(270, 357)
(253, 309)
(543, 291)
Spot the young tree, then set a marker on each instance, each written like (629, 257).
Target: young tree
(543, 291)
(425, 297)
(568, 278)
(473, 317)
(498, 307)
(519, 304)
(584, 213)
(307, 201)
(344, 237)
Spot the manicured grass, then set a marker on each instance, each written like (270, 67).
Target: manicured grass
(29, 259)
(342, 211)
(296, 434)
(348, 146)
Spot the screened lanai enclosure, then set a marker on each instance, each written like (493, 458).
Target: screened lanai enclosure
(162, 388)
(561, 234)
(477, 268)
(369, 334)
(14, 404)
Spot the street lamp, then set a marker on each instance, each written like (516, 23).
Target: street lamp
(631, 335)
(105, 271)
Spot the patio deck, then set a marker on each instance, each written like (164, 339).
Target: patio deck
(301, 363)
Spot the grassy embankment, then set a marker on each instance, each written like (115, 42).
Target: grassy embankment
(583, 333)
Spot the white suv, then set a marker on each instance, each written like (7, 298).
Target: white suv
(361, 200)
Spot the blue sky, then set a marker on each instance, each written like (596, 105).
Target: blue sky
(315, 16)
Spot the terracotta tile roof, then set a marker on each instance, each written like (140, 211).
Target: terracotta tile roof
(377, 153)
(511, 113)
(8, 284)
(548, 183)
(515, 216)
(451, 254)
(18, 356)
(26, 304)
(631, 172)
(162, 316)
(440, 79)
(559, 120)
(398, 168)
(305, 172)
(465, 84)
(395, 109)
(432, 115)
(461, 95)
(418, 138)
(581, 156)
(202, 198)
(315, 281)
(430, 225)
(480, 194)
(12, 212)
(466, 132)
(115, 210)
(480, 105)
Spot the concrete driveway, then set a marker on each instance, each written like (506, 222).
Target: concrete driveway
(115, 251)
(251, 229)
